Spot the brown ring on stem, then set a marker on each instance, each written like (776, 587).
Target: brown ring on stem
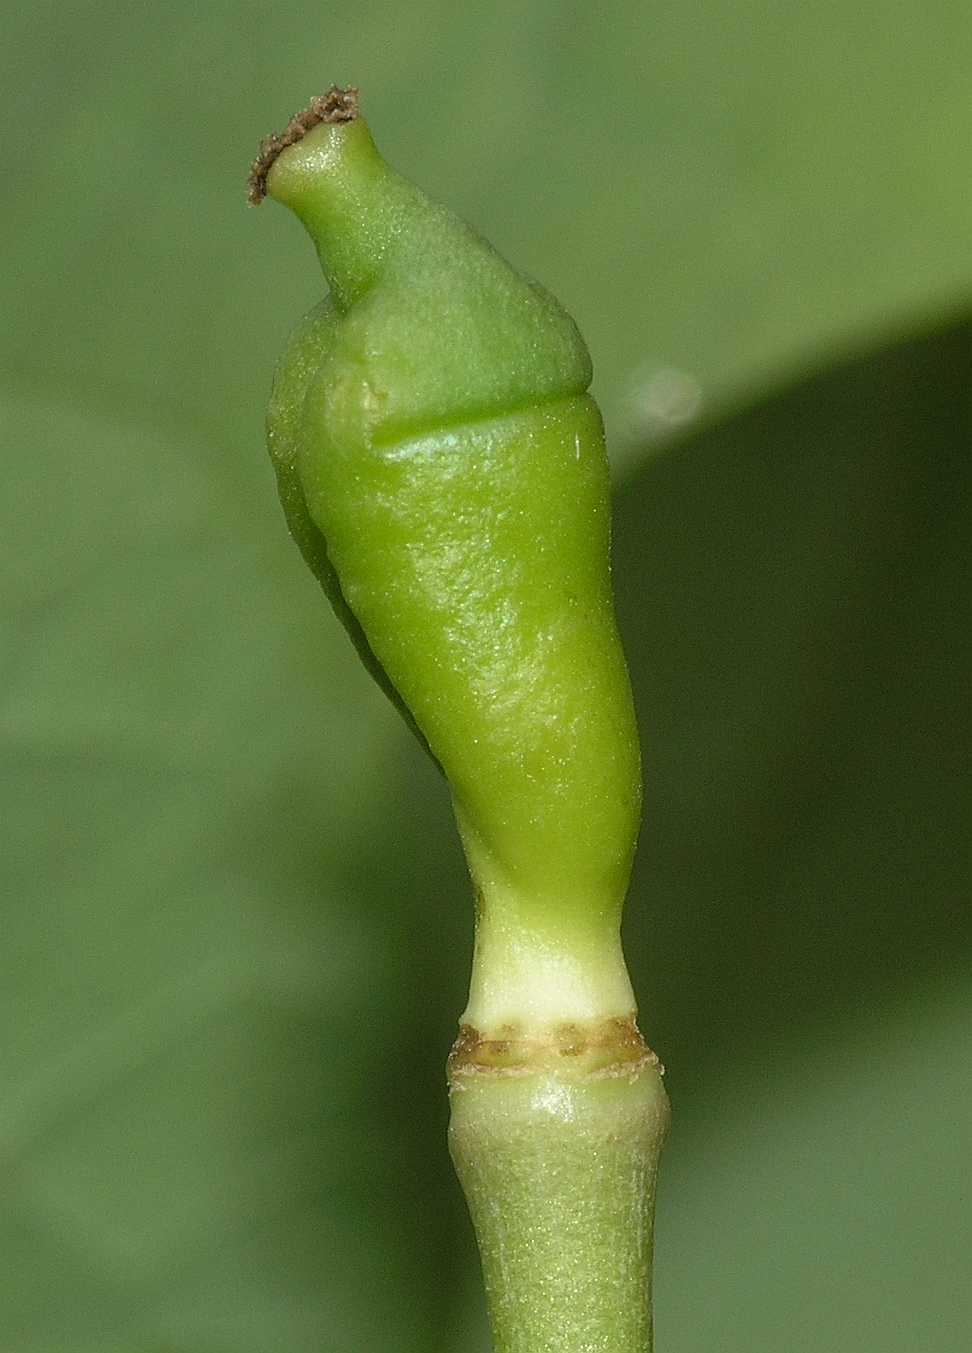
(603, 1047)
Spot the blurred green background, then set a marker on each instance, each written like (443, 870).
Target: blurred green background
(235, 928)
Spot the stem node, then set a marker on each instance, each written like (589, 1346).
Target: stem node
(556, 1143)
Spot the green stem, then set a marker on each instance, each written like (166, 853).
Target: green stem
(558, 1159)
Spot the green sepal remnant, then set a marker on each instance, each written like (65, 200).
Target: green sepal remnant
(443, 470)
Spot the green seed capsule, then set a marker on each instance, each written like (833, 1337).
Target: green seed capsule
(443, 470)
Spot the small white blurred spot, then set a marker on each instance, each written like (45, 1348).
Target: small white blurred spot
(659, 400)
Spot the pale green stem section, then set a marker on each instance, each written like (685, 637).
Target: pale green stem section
(536, 967)
(559, 1173)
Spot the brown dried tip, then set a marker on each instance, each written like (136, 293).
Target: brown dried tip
(337, 105)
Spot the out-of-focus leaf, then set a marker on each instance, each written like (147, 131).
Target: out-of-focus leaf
(217, 963)
(794, 591)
